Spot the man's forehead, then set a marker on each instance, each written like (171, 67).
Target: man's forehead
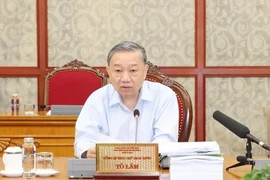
(126, 55)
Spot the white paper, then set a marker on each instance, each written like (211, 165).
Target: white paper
(48, 113)
(196, 167)
(189, 148)
(194, 160)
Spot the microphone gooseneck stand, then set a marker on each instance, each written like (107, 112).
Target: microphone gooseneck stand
(249, 160)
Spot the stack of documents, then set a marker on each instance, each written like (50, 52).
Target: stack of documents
(193, 160)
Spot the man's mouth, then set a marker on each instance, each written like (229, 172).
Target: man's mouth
(125, 87)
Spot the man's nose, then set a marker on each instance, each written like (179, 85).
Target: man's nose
(125, 76)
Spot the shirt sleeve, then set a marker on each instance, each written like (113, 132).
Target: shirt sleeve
(166, 118)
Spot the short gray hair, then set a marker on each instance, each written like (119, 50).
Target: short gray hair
(127, 46)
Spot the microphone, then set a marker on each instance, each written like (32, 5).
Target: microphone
(243, 159)
(42, 106)
(257, 141)
(237, 128)
(234, 126)
(136, 114)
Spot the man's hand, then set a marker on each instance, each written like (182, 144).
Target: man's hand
(91, 152)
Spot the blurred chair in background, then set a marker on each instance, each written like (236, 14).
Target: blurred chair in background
(72, 83)
(183, 98)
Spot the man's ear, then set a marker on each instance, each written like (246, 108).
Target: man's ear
(146, 67)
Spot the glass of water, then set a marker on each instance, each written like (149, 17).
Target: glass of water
(45, 161)
(29, 109)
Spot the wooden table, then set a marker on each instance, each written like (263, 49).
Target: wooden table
(52, 133)
(61, 165)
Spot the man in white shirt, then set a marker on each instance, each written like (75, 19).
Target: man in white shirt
(107, 115)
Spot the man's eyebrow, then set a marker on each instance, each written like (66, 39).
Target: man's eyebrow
(131, 65)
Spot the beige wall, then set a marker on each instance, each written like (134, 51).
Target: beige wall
(18, 33)
(238, 34)
(87, 30)
(26, 87)
(243, 99)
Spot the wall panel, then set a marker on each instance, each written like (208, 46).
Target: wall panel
(25, 87)
(18, 33)
(238, 33)
(242, 99)
(87, 30)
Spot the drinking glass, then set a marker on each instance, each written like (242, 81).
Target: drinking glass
(45, 161)
(29, 109)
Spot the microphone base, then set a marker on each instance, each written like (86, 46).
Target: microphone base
(127, 176)
(252, 163)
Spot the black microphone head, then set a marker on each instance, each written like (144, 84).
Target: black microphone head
(42, 106)
(241, 159)
(136, 113)
(238, 129)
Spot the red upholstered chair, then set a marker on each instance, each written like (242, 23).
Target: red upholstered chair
(184, 101)
(72, 83)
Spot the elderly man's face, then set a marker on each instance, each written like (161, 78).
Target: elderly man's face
(127, 73)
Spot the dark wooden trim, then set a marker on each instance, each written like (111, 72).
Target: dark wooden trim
(19, 71)
(200, 59)
(241, 71)
(42, 44)
(237, 71)
(42, 34)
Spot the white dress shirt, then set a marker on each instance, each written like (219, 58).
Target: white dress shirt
(105, 119)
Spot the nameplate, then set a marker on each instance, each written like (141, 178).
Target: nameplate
(127, 158)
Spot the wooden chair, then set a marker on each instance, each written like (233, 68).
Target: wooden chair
(72, 83)
(184, 101)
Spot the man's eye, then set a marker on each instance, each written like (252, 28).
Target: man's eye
(118, 70)
(133, 70)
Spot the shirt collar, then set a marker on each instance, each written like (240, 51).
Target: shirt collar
(145, 95)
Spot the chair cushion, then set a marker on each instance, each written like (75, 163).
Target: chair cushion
(72, 84)
(63, 86)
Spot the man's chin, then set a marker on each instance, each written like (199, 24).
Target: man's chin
(126, 93)
(126, 90)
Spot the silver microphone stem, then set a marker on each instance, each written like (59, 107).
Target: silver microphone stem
(136, 114)
(136, 129)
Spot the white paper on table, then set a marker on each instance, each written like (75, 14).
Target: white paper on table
(48, 113)
(196, 167)
(189, 148)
